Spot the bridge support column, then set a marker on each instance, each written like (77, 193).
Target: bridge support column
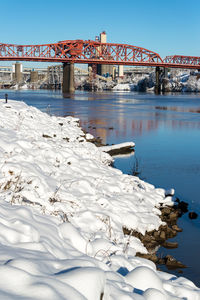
(18, 72)
(92, 72)
(34, 76)
(68, 78)
(164, 80)
(158, 83)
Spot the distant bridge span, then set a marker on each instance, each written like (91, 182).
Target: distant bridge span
(94, 52)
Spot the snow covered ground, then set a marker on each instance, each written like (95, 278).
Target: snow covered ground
(62, 210)
(124, 87)
(177, 81)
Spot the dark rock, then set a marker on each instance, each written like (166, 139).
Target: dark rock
(147, 238)
(183, 206)
(173, 216)
(176, 228)
(156, 235)
(149, 256)
(170, 232)
(126, 231)
(151, 240)
(123, 150)
(166, 211)
(151, 245)
(172, 263)
(170, 245)
(169, 193)
(66, 139)
(97, 141)
(192, 215)
(161, 261)
(47, 136)
(162, 235)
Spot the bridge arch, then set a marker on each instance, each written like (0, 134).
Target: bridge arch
(80, 51)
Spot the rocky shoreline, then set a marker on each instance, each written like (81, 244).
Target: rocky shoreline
(152, 240)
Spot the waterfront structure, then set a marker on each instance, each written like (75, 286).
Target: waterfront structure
(96, 53)
(104, 70)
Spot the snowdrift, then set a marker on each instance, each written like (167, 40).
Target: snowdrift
(62, 211)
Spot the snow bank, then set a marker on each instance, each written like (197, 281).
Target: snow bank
(119, 148)
(123, 87)
(62, 236)
(177, 80)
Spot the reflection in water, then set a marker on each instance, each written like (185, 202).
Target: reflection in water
(129, 116)
(180, 109)
(125, 128)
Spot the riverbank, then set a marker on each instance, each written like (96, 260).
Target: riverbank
(174, 80)
(65, 225)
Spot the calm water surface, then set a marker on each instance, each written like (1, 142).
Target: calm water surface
(166, 130)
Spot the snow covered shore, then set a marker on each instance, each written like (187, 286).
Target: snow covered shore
(177, 81)
(62, 211)
(121, 148)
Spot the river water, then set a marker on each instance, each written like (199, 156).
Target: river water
(166, 130)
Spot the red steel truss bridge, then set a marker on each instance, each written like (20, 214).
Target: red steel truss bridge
(94, 52)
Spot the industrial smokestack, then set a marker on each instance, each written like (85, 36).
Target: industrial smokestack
(103, 37)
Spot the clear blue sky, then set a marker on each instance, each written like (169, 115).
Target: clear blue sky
(167, 27)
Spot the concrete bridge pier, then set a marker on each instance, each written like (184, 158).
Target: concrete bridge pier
(34, 76)
(164, 80)
(158, 81)
(18, 73)
(68, 78)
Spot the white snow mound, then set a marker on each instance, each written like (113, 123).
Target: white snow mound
(62, 213)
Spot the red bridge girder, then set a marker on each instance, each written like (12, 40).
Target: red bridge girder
(183, 60)
(95, 52)
(79, 51)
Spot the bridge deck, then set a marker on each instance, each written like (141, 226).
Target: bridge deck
(94, 52)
